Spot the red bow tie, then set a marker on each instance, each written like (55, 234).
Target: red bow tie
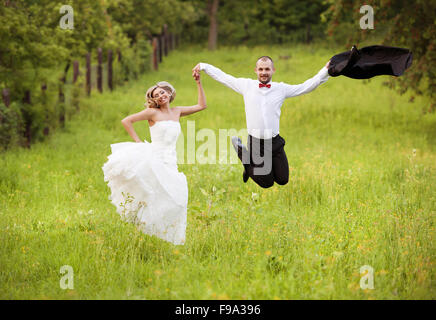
(261, 85)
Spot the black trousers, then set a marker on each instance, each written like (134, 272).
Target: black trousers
(267, 161)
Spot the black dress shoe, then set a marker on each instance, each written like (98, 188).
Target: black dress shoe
(245, 176)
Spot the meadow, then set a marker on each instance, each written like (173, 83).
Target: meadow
(362, 187)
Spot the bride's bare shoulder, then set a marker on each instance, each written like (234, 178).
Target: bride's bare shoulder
(147, 114)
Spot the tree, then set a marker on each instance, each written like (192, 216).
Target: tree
(213, 27)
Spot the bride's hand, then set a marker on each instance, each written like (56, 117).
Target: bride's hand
(196, 72)
(197, 78)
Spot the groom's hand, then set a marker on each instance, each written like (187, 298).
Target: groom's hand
(196, 72)
(327, 65)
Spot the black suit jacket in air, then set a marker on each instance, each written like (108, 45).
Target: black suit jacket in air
(370, 61)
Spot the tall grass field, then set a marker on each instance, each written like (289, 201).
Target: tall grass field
(362, 162)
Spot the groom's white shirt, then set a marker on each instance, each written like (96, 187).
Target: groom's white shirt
(262, 105)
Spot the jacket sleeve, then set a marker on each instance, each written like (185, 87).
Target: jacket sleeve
(307, 86)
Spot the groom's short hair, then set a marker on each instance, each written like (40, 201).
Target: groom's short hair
(265, 58)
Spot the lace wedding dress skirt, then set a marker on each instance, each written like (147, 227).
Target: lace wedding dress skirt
(146, 187)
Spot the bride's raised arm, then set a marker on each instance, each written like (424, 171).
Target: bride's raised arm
(201, 105)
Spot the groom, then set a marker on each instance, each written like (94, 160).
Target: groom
(265, 160)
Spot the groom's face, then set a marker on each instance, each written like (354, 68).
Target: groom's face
(264, 70)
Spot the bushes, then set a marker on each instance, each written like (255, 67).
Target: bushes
(143, 55)
(135, 60)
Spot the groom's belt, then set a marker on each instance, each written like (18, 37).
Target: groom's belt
(275, 138)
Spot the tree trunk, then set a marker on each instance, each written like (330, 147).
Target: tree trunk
(100, 70)
(213, 26)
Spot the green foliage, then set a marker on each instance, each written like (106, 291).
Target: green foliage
(118, 73)
(77, 93)
(135, 61)
(129, 68)
(143, 53)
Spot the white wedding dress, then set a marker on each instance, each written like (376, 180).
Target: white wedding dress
(146, 187)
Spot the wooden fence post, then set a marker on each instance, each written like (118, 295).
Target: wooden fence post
(26, 98)
(46, 129)
(61, 98)
(27, 119)
(165, 37)
(6, 100)
(64, 76)
(160, 45)
(155, 54)
(88, 73)
(109, 70)
(120, 57)
(100, 71)
(6, 95)
(75, 70)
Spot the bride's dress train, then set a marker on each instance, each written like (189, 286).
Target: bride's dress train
(146, 187)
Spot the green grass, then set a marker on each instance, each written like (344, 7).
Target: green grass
(358, 195)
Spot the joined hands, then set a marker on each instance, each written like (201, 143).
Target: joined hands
(196, 73)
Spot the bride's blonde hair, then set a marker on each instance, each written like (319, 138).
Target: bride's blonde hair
(151, 102)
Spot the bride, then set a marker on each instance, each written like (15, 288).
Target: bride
(146, 187)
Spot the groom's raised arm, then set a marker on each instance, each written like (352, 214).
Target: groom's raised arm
(236, 84)
(307, 86)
